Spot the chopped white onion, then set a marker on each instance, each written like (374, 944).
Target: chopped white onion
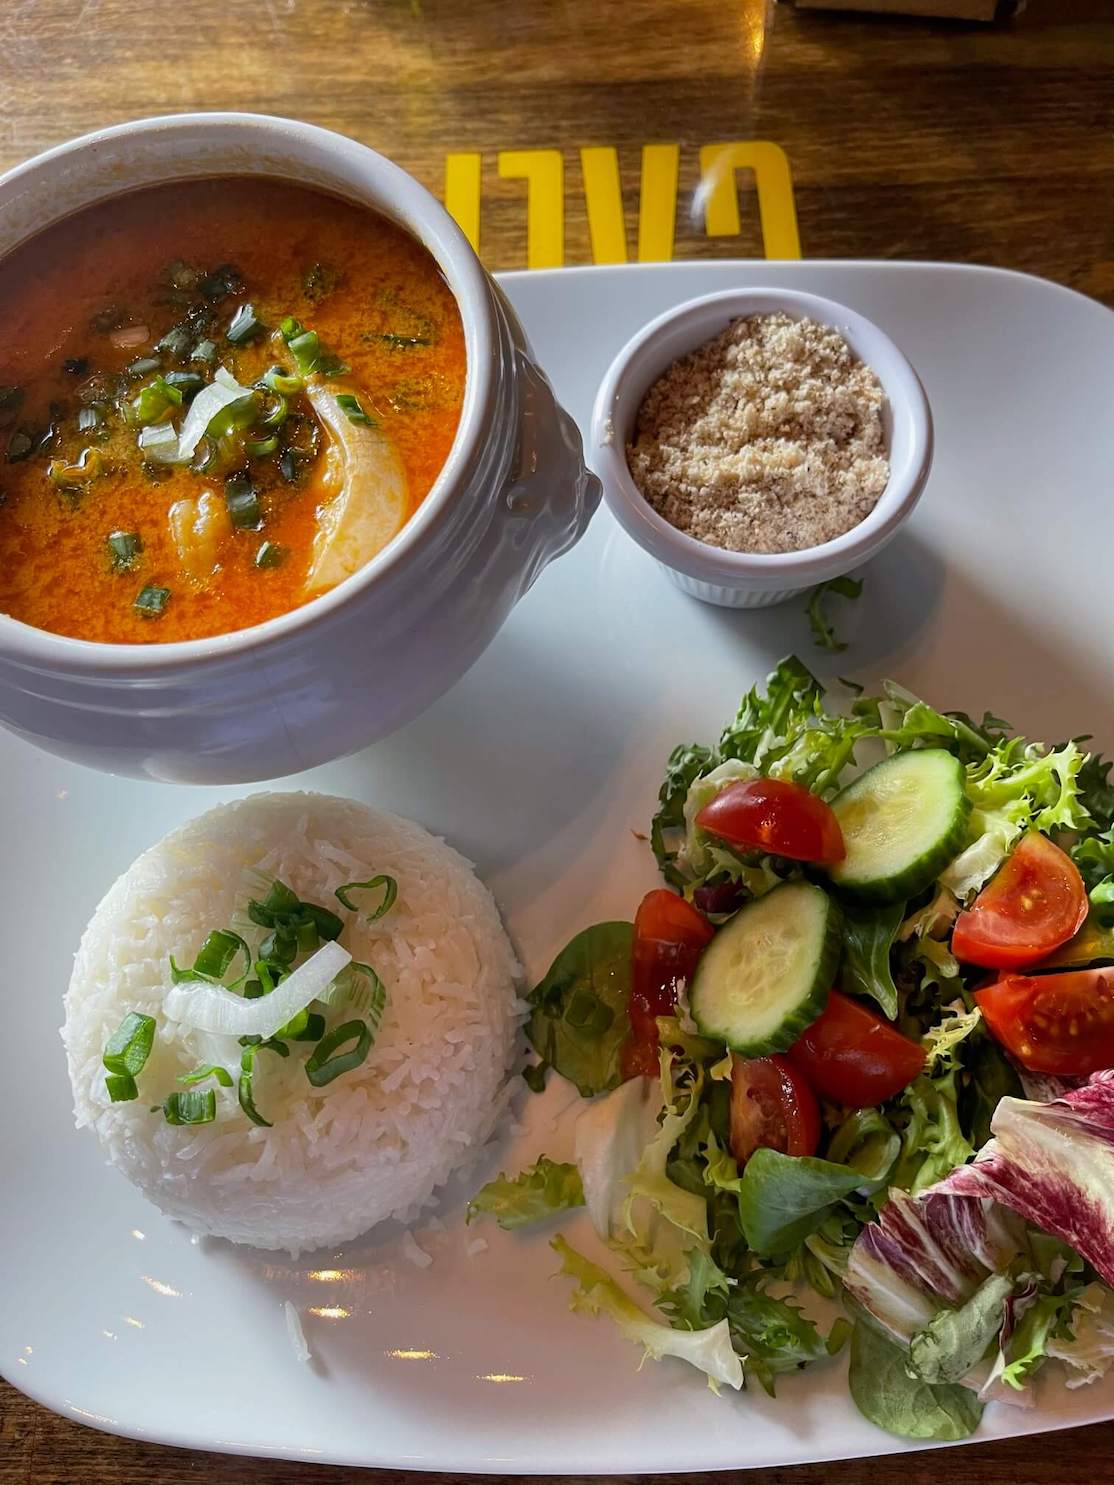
(213, 1008)
(223, 390)
(159, 442)
(129, 336)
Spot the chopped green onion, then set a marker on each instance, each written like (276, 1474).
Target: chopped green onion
(20, 446)
(234, 416)
(89, 466)
(307, 936)
(89, 418)
(151, 600)
(122, 1087)
(263, 447)
(276, 380)
(326, 1062)
(214, 1070)
(312, 1031)
(186, 382)
(270, 1045)
(390, 894)
(350, 407)
(221, 282)
(217, 953)
(242, 500)
(178, 975)
(175, 342)
(277, 415)
(270, 554)
(308, 352)
(124, 548)
(110, 318)
(271, 972)
(401, 342)
(280, 945)
(144, 366)
(306, 1026)
(128, 1048)
(245, 326)
(197, 1106)
(155, 402)
(204, 351)
(288, 465)
(360, 987)
(318, 280)
(244, 1089)
(280, 902)
(205, 456)
(328, 925)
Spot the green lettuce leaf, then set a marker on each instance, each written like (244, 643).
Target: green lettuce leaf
(609, 1138)
(580, 1018)
(774, 1335)
(535, 1194)
(955, 1341)
(597, 1293)
(989, 1077)
(1018, 786)
(868, 937)
(784, 1198)
(685, 765)
(1027, 1348)
(885, 1393)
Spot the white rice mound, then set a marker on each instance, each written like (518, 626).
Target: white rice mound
(372, 1144)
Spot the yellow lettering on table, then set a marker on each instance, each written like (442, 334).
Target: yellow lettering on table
(603, 199)
(657, 206)
(776, 208)
(544, 174)
(462, 194)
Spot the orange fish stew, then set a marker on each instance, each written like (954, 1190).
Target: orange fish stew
(218, 399)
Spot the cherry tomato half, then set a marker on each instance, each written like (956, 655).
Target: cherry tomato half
(1061, 1024)
(1033, 903)
(853, 1057)
(777, 816)
(772, 1107)
(669, 935)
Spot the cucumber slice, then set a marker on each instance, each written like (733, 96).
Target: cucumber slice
(902, 821)
(765, 976)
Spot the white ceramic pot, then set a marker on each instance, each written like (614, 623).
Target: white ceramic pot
(359, 662)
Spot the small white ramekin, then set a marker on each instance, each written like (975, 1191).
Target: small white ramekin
(757, 579)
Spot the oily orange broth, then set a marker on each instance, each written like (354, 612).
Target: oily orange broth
(54, 568)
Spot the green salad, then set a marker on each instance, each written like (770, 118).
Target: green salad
(849, 1075)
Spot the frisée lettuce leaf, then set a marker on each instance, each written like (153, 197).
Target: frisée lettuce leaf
(533, 1196)
(597, 1293)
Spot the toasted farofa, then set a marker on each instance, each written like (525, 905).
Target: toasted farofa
(767, 439)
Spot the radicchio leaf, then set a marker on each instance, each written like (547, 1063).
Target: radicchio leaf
(1053, 1164)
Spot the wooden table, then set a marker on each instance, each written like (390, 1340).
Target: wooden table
(899, 138)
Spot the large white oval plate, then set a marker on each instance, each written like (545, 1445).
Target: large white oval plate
(539, 765)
